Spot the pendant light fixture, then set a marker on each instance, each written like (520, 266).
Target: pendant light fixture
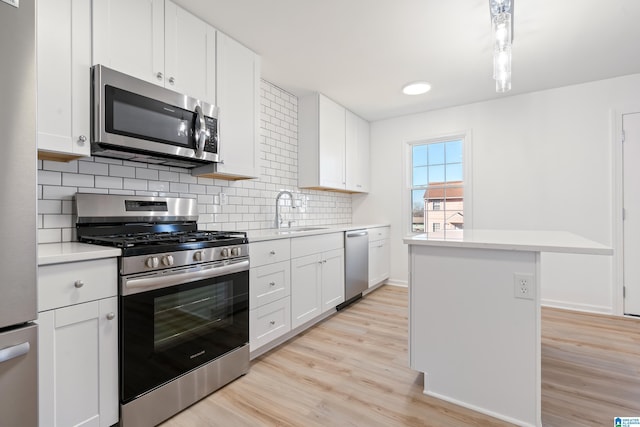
(502, 27)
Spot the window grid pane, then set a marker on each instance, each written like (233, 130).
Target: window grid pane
(437, 188)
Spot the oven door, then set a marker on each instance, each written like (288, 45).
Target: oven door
(167, 332)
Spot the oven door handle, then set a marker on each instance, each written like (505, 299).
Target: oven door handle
(165, 279)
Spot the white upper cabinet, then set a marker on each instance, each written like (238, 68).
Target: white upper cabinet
(63, 61)
(333, 146)
(357, 160)
(190, 54)
(156, 41)
(238, 96)
(128, 36)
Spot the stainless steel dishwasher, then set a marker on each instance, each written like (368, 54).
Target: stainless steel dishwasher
(356, 268)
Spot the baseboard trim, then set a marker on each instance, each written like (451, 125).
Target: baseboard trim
(588, 308)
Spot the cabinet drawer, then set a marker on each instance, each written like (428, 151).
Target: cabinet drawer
(269, 322)
(378, 233)
(60, 285)
(269, 252)
(308, 245)
(269, 283)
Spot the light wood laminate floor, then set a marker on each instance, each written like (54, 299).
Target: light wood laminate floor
(352, 370)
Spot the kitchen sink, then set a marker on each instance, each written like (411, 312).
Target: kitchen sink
(299, 229)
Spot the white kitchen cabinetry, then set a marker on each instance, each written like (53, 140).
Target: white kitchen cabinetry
(378, 255)
(357, 160)
(63, 73)
(317, 276)
(238, 96)
(269, 292)
(78, 343)
(333, 146)
(156, 41)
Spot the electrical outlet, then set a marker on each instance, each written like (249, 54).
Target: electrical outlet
(524, 286)
(223, 198)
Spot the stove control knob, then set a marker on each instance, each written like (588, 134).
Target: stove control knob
(197, 256)
(224, 252)
(152, 262)
(167, 260)
(235, 251)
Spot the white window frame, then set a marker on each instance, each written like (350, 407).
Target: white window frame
(466, 138)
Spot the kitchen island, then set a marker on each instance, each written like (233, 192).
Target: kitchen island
(474, 317)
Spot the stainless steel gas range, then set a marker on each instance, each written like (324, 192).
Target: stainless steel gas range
(183, 301)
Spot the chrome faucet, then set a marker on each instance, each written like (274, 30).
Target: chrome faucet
(278, 220)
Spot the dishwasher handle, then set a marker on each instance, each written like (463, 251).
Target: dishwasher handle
(357, 233)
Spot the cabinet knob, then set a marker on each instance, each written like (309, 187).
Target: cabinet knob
(159, 76)
(111, 316)
(273, 322)
(272, 284)
(272, 253)
(82, 139)
(172, 80)
(78, 284)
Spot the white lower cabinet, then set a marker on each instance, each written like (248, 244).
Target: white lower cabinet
(378, 255)
(78, 347)
(317, 276)
(269, 322)
(269, 290)
(306, 295)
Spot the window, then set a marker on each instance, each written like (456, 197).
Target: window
(437, 187)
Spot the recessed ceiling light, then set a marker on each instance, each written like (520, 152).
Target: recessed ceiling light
(416, 88)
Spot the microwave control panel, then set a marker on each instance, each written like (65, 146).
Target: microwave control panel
(211, 145)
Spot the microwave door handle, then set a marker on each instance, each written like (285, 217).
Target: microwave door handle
(200, 132)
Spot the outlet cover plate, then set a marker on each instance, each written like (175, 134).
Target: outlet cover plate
(524, 286)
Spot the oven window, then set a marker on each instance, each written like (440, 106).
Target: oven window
(183, 316)
(167, 332)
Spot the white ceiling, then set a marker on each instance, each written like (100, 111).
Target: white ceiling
(361, 52)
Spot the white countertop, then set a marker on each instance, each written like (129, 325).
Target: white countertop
(286, 233)
(516, 240)
(56, 253)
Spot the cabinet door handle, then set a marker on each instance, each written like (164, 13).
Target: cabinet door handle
(273, 322)
(111, 316)
(172, 80)
(272, 283)
(78, 284)
(159, 75)
(82, 139)
(272, 253)
(12, 352)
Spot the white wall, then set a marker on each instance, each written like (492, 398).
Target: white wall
(540, 161)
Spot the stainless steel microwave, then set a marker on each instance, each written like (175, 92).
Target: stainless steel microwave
(139, 121)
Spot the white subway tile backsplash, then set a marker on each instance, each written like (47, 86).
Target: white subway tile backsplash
(49, 177)
(122, 171)
(134, 184)
(250, 203)
(50, 192)
(160, 186)
(57, 221)
(60, 166)
(178, 187)
(77, 180)
(145, 173)
(169, 176)
(93, 168)
(49, 206)
(108, 182)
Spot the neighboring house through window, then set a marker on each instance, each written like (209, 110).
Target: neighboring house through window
(437, 187)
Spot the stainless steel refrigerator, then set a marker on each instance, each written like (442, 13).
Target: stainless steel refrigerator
(18, 251)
